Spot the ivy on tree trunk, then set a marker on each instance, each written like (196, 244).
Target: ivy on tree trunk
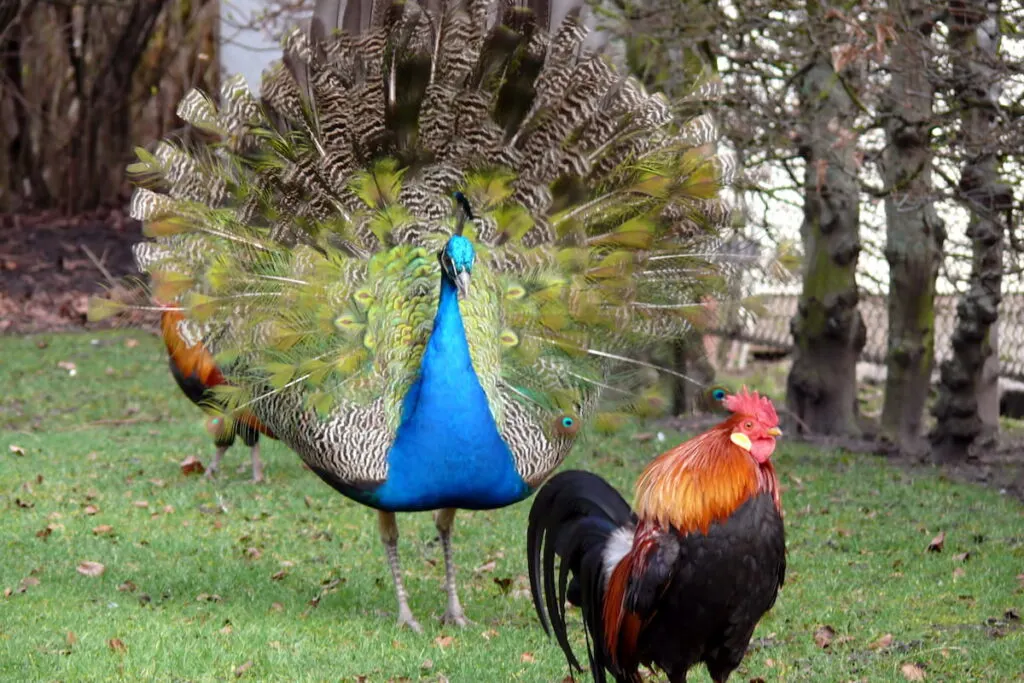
(914, 232)
(828, 331)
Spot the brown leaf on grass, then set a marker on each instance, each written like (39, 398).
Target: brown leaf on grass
(961, 557)
(168, 509)
(192, 465)
(253, 553)
(102, 529)
(90, 509)
(912, 672)
(444, 641)
(486, 567)
(226, 629)
(17, 450)
(823, 636)
(69, 366)
(959, 573)
(207, 597)
(277, 576)
(488, 634)
(504, 584)
(117, 645)
(935, 546)
(89, 568)
(131, 342)
(142, 504)
(242, 668)
(28, 582)
(159, 483)
(127, 587)
(45, 532)
(71, 638)
(276, 607)
(25, 504)
(427, 664)
(1011, 614)
(882, 643)
(527, 658)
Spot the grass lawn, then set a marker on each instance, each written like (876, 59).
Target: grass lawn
(288, 581)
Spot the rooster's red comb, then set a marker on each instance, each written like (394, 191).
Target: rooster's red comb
(753, 404)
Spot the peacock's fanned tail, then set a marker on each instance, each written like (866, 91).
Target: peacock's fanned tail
(300, 231)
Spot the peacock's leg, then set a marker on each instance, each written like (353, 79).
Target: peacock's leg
(453, 614)
(257, 464)
(389, 535)
(212, 469)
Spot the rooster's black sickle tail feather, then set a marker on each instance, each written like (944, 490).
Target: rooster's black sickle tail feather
(573, 516)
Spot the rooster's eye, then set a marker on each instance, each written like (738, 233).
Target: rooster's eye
(748, 425)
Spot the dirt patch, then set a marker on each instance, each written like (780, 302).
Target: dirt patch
(50, 264)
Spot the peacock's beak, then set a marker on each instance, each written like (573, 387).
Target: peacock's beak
(775, 431)
(462, 282)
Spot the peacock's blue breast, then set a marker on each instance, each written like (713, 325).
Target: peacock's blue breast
(447, 450)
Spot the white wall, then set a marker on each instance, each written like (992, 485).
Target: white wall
(245, 51)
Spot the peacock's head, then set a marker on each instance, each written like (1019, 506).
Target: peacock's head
(457, 256)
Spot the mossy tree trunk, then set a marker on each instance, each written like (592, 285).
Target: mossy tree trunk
(967, 408)
(828, 331)
(914, 232)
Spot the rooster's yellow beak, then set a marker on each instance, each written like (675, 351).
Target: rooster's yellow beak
(775, 431)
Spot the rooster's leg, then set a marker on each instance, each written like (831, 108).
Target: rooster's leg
(389, 535)
(257, 464)
(444, 519)
(212, 469)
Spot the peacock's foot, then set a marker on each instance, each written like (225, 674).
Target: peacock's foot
(455, 617)
(211, 472)
(406, 620)
(258, 478)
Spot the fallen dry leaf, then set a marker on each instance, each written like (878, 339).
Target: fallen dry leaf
(71, 638)
(192, 465)
(936, 546)
(643, 436)
(1011, 614)
(486, 567)
(17, 450)
(488, 634)
(912, 672)
(962, 557)
(141, 504)
(882, 643)
(527, 657)
(117, 645)
(207, 597)
(427, 664)
(277, 576)
(444, 641)
(127, 587)
(504, 585)
(28, 582)
(226, 629)
(45, 532)
(131, 342)
(102, 529)
(90, 509)
(277, 607)
(253, 553)
(959, 573)
(24, 503)
(242, 668)
(91, 568)
(823, 636)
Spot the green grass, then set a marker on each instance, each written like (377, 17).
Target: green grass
(197, 606)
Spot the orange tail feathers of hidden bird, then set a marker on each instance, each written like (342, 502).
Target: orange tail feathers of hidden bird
(685, 575)
(196, 371)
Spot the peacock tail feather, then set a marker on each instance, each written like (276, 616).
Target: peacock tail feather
(300, 234)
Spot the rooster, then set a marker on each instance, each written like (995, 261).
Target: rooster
(685, 578)
(196, 373)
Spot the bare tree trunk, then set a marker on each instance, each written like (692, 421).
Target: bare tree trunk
(23, 177)
(828, 331)
(915, 233)
(967, 409)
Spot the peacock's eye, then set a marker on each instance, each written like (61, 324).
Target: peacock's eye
(719, 394)
(748, 425)
(568, 422)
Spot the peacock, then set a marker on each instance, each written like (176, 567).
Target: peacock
(439, 236)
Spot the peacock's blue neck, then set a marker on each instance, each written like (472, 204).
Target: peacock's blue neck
(448, 451)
